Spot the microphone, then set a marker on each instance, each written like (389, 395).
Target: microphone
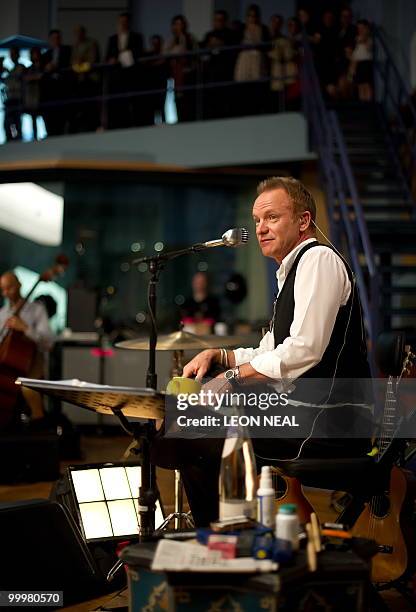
(232, 238)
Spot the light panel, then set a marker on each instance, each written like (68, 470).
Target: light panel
(123, 517)
(107, 498)
(87, 485)
(135, 478)
(115, 483)
(95, 520)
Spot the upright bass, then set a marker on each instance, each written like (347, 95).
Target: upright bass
(18, 352)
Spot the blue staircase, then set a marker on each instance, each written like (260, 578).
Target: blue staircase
(367, 158)
(389, 211)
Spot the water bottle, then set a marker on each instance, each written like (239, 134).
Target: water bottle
(287, 525)
(238, 477)
(265, 498)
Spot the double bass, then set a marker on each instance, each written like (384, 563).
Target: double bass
(18, 353)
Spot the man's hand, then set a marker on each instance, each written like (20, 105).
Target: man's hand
(17, 324)
(201, 363)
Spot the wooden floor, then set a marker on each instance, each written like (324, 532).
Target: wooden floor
(100, 449)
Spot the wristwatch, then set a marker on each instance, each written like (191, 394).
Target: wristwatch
(233, 374)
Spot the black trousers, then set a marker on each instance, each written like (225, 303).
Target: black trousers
(199, 461)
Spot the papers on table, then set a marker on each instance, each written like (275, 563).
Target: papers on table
(174, 556)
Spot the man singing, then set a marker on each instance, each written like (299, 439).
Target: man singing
(316, 333)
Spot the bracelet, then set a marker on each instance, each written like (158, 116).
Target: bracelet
(224, 358)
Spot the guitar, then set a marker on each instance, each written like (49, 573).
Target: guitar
(387, 518)
(288, 490)
(19, 355)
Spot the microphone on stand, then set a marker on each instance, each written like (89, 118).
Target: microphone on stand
(232, 238)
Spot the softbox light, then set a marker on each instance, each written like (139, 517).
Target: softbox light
(106, 500)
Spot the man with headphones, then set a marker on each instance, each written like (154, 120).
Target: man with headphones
(316, 334)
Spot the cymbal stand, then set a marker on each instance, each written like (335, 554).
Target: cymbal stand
(179, 516)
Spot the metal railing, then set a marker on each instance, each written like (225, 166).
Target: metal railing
(346, 217)
(398, 109)
(111, 87)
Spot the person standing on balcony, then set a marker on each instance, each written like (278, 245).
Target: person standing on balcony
(182, 69)
(346, 42)
(14, 97)
(218, 66)
(124, 49)
(361, 67)
(251, 64)
(55, 63)
(86, 81)
(283, 67)
(32, 93)
(156, 72)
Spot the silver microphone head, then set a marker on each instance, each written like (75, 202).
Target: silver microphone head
(235, 237)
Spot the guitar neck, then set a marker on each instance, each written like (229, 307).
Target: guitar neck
(389, 422)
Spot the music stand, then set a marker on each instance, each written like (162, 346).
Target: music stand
(122, 402)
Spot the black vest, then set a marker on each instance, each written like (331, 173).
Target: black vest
(347, 346)
(342, 377)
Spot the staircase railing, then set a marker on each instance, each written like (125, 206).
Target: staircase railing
(346, 224)
(398, 108)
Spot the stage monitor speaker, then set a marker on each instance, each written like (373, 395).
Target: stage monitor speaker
(42, 550)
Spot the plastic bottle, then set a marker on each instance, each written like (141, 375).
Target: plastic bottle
(287, 525)
(238, 477)
(265, 498)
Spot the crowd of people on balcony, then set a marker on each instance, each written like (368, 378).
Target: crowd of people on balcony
(75, 89)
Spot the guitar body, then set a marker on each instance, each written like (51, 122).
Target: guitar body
(289, 491)
(387, 520)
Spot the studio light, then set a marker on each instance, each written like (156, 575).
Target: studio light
(31, 211)
(106, 499)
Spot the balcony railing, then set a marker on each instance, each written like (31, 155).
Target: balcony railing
(196, 85)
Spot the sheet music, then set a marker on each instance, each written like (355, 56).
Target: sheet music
(75, 383)
(134, 402)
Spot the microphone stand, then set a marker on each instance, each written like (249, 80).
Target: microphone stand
(148, 491)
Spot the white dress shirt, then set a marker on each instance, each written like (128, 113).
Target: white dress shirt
(35, 316)
(321, 287)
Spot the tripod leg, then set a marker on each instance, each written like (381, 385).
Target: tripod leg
(178, 499)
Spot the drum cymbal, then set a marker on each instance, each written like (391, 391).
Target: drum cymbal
(177, 341)
(183, 341)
